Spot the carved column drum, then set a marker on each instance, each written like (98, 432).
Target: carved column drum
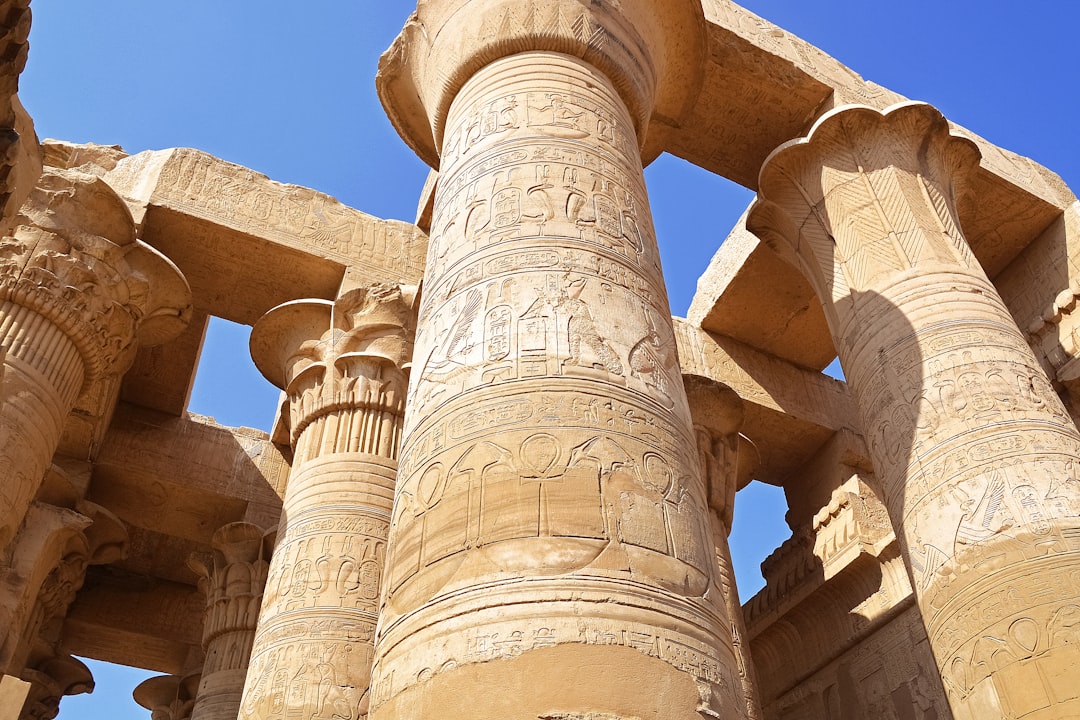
(550, 551)
(975, 451)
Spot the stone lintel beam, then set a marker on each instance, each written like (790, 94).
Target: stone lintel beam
(136, 620)
(162, 377)
(789, 411)
(227, 226)
(762, 87)
(751, 294)
(187, 476)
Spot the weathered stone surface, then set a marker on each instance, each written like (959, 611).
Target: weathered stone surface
(232, 577)
(558, 549)
(543, 316)
(971, 443)
(342, 367)
(78, 294)
(789, 412)
(20, 158)
(215, 220)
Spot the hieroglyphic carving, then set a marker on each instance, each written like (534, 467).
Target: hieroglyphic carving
(548, 436)
(341, 366)
(717, 412)
(886, 675)
(202, 186)
(964, 428)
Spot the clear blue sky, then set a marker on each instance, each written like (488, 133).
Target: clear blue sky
(288, 90)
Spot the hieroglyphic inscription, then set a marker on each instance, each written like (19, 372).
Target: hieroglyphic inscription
(203, 186)
(340, 365)
(971, 442)
(548, 433)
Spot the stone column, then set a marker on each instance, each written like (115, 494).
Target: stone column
(232, 578)
(342, 365)
(168, 697)
(971, 443)
(717, 412)
(78, 293)
(550, 549)
(50, 682)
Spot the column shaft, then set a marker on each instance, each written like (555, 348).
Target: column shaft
(550, 548)
(41, 377)
(340, 365)
(233, 578)
(973, 446)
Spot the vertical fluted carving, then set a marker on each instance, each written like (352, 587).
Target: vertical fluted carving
(78, 294)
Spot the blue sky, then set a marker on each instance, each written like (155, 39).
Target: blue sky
(288, 90)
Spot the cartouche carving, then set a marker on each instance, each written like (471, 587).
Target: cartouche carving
(550, 506)
(964, 428)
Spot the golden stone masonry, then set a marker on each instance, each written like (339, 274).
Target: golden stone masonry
(501, 480)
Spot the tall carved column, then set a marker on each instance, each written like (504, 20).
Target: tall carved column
(233, 579)
(78, 294)
(717, 412)
(550, 550)
(342, 365)
(972, 445)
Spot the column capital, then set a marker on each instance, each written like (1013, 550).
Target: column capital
(74, 259)
(168, 697)
(232, 577)
(863, 173)
(51, 681)
(327, 356)
(651, 50)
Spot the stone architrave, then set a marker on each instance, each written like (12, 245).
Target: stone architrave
(343, 367)
(717, 412)
(233, 579)
(78, 295)
(973, 446)
(551, 555)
